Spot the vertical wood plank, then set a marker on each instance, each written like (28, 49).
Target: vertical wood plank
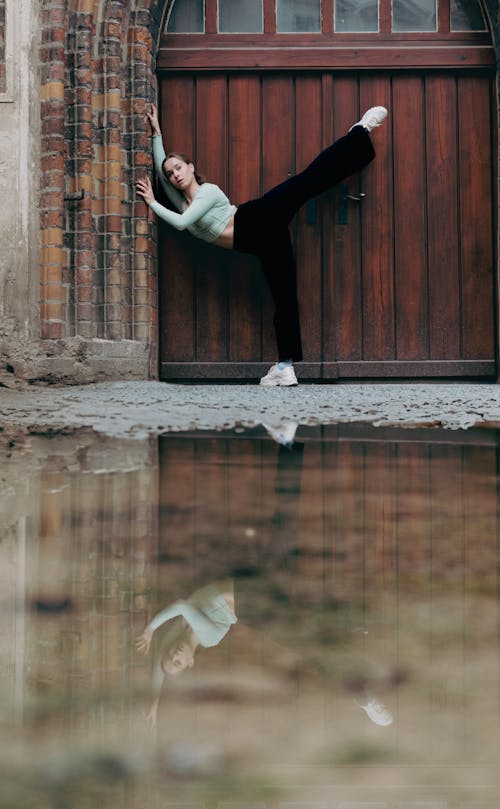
(442, 231)
(211, 20)
(177, 310)
(269, 16)
(327, 16)
(377, 231)
(210, 270)
(343, 331)
(308, 253)
(381, 548)
(278, 153)
(414, 568)
(474, 129)
(481, 564)
(328, 223)
(176, 496)
(246, 285)
(410, 238)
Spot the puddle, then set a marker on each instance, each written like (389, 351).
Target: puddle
(340, 645)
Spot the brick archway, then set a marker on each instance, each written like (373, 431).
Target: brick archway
(98, 245)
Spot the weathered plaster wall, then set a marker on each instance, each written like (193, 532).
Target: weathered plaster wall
(19, 165)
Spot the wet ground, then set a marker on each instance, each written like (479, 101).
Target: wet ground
(362, 667)
(139, 409)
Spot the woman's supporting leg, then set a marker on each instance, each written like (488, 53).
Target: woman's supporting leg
(279, 267)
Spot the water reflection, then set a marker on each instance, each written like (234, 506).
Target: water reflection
(285, 614)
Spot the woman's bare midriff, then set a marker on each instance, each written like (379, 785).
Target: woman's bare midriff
(226, 238)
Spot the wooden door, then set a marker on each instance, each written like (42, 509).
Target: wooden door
(399, 283)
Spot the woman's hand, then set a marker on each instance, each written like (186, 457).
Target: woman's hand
(152, 114)
(143, 642)
(145, 189)
(152, 716)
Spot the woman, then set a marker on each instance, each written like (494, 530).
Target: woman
(203, 619)
(261, 226)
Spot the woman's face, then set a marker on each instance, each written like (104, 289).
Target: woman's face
(179, 173)
(179, 658)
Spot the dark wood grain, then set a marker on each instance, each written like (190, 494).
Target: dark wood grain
(443, 238)
(308, 142)
(476, 218)
(410, 247)
(245, 281)
(212, 328)
(177, 283)
(343, 322)
(378, 232)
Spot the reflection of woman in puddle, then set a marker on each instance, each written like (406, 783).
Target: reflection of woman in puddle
(203, 619)
(206, 617)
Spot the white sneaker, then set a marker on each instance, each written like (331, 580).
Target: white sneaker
(372, 118)
(284, 434)
(275, 377)
(377, 712)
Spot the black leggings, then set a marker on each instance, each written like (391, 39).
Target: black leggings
(261, 228)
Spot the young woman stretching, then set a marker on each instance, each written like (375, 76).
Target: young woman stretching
(261, 226)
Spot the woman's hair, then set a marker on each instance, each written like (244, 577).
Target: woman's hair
(198, 177)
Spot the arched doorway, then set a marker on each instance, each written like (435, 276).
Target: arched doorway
(396, 283)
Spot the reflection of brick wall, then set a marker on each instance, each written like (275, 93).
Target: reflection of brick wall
(96, 539)
(2, 47)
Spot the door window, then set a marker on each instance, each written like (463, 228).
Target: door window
(414, 15)
(466, 16)
(310, 16)
(356, 16)
(298, 16)
(186, 17)
(240, 16)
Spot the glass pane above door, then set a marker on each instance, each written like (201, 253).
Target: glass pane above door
(186, 17)
(241, 16)
(356, 15)
(466, 15)
(414, 15)
(298, 16)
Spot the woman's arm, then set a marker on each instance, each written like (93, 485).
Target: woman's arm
(202, 203)
(159, 155)
(143, 642)
(152, 114)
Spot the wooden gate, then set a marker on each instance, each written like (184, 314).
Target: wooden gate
(396, 283)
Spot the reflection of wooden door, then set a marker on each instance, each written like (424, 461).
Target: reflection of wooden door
(399, 283)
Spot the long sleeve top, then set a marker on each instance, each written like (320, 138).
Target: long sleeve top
(207, 613)
(206, 216)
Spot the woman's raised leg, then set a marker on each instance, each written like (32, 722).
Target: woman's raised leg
(345, 157)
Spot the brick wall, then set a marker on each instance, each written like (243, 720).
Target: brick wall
(98, 265)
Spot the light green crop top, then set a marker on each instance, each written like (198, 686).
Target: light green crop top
(207, 215)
